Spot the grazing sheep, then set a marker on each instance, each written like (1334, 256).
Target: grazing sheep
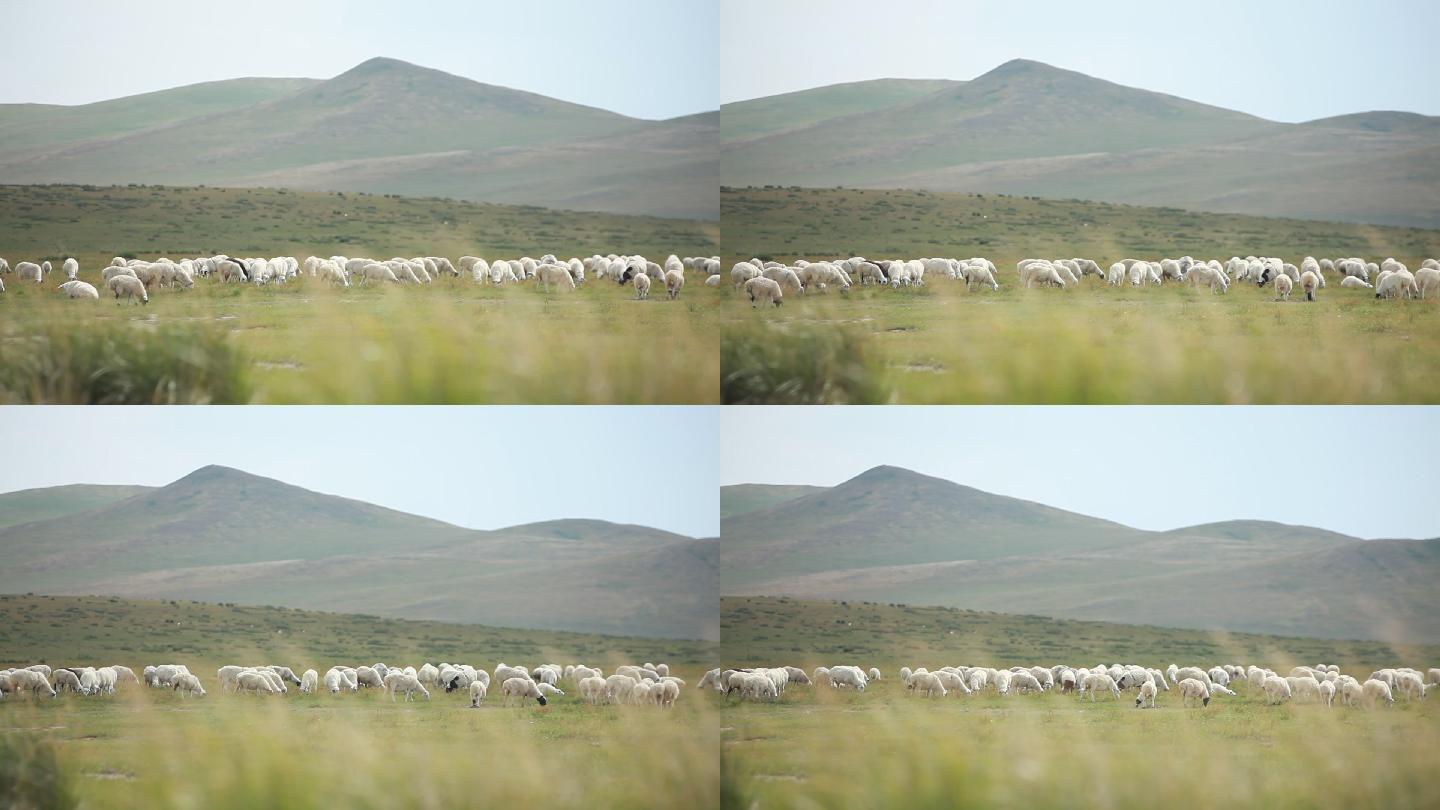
(713, 281)
(396, 682)
(1309, 282)
(308, 681)
(1427, 278)
(1147, 691)
(128, 287)
(334, 681)
(674, 281)
(1327, 693)
(642, 287)
(767, 290)
(522, 687)
(187, 684)
(592, 690)
(1277, 689)
(1282, 288)
(79, 290)
(1193, 689)
(1410, 685)
(927, 684)
(1375, 690)
(254, 682)
(554, 274)
(1097, 681)
(874, 673)
(369, 678)
(1355, 283)
(477, 694)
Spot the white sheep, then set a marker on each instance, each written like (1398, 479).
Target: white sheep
(1427, 279)
(1375, 690)
(642, 287)
(309, 681)
(1277, 689)
(30, 271)
(396, 682)
(1282, 288)
(674, 281)
(477, 694)
(1327, 693)
(187, 684)
(1355, 283)
(1310, 282)
(766, 290)
(1095, 682)
(1147, 692)
(521, 688)
(1193, 689)
(128, 287)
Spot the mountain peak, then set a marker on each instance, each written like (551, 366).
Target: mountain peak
(214, 472)
(1021, 68)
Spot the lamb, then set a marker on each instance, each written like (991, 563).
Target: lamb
(1193, 689)
(642, 287)
(308, 682)
(522, 687)
(397, 682)
(1327, 693)
(187, 684)
(674, 281)
(766, 290)
(549, 689)
(874, 673)
(1147, 691)
(1309, 282)
(1355, 283)
(477, 694)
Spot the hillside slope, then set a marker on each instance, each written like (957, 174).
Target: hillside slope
(220, 534)
(389, 126)
(28, 505)
(1026, 127)
(894, 535)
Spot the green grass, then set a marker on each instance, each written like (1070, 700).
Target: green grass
(150, 748)
(27, 506)
(1096, 344)
(888, 748)
(450, 342)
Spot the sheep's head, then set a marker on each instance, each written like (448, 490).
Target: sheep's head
(540, 700)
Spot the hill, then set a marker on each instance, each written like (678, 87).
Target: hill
(220, 534)
(29, 505)
(813, 633)
(744, 498)
(894, 535)
(384, 126)
(1029, 128)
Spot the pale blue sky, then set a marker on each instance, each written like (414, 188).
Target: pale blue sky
(1368, 472)
(1286, 60)
(483, 468)
(643, 58)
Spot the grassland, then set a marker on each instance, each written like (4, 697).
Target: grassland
(1097, 344)
(149, 748)
(887, 748)
(450, 342)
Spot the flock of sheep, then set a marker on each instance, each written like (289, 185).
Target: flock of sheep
(1322, 683)
(650, 684)
(767, 282)
(135, 279)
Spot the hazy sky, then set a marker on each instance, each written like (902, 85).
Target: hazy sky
(1286, 60)
(483, 468)
(1151, 468)
(645, 58)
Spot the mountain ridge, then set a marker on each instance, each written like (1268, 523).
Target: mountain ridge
(1029, 128)
(223, 534)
